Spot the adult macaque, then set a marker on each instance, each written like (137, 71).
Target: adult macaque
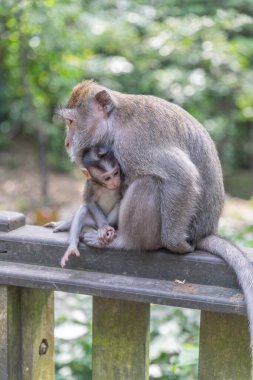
(102, 194)
(175, 189)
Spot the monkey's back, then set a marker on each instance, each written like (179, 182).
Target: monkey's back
(202, 151)
(167, 125)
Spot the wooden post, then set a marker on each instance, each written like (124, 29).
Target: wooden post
(26, 334)
(120, 340)
(224, 350)
(10, 334)
(37, 322)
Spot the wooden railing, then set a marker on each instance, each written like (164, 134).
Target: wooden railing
(123, 284)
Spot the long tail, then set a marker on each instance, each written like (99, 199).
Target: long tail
(238, 261)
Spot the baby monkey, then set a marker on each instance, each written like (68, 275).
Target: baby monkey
(102, 195)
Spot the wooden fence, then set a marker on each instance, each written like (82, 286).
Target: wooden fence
(123, 284)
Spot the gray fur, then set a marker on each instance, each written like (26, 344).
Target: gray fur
(101, 204)
(152, 137)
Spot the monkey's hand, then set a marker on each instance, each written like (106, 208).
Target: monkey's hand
(72, 250)
(106, 235)
(58, 226)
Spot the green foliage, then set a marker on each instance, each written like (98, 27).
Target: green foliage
(174, 343)
(197, 55)
(173, 349)
(73, 337)
(242, 237)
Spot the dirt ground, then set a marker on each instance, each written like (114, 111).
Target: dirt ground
(21, 190)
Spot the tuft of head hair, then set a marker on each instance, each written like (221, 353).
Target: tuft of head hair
(79, 92)
(98, 156)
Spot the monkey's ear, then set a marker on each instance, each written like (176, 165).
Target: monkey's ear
(104, 101)
(68, 114)
(86, 173)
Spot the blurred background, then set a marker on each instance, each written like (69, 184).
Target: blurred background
(196, 54)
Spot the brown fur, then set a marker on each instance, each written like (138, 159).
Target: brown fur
(79, 92)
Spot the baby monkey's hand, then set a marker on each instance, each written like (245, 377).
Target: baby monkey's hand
(72, 250)
(106, 235)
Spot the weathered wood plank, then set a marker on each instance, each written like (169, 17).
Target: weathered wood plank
(26, 334)
(108, 285)
(224, 347)
(38, 245)
(37, 326)
(10, 220)
(10, 334)
(120, 340)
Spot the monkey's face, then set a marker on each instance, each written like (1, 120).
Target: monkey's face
(110, 179)
(71, 122)
(86, 118)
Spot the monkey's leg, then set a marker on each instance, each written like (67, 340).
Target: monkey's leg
(156, 211)
(178, 205)
(179, 194)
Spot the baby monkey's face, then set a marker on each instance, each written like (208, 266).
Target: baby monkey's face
(109, 178)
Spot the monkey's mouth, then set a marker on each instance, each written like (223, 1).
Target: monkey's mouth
(112, 187)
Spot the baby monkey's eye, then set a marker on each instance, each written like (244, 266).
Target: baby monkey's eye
(107, 179)
(116, 173)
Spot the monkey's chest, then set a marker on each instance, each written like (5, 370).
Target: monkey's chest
(107, 200)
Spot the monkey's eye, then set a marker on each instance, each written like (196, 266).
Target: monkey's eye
(107, 179)
(116, 173)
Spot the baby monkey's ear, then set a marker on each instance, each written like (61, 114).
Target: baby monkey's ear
(86, 173)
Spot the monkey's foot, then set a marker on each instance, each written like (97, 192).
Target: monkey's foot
(91, 239)
(71, 251)
(106, 235)
(182, 247)
(50, 224)
(58, 226)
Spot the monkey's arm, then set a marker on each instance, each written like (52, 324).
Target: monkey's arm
(78, 222)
